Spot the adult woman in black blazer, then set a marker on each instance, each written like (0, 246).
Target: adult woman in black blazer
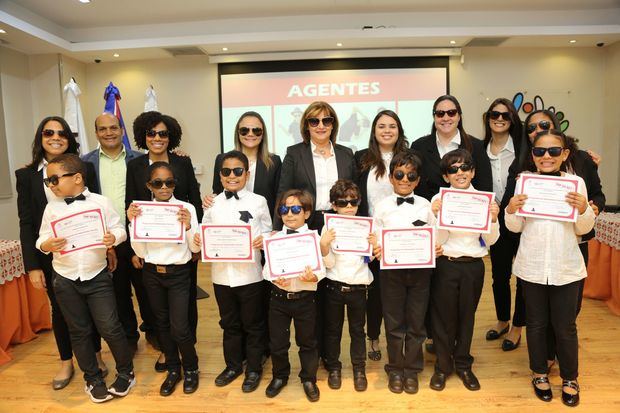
(52, 138)
(160, 134)
(387, 139)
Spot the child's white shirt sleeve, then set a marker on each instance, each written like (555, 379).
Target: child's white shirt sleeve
(45, 231)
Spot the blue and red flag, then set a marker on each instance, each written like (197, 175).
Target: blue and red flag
(112, 97)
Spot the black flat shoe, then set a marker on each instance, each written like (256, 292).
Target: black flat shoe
(226, 377)
(411, 385)
(493, 334)
(334, 379)
(544, 395)
(571, 400)
(429, 346)
(395, 383)
(251, 381)
(275, 387)
(508, 345)
(160, 367)
(360, 382)
(168, 386)
(469, 380)
(312, 391)
(438, 381)
(190, 381)
(374, 353)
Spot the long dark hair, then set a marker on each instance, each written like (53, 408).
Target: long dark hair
(263, 148)
(373, 156)
(465, 139)
(38, 153)
(516, 128)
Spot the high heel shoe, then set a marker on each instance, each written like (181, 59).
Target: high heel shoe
(568, 399)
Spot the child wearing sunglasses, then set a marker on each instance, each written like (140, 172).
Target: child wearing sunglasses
(166, 275)
(458, 280)
(348, 278)
(404, 292)
(551, 268)
(294, 299)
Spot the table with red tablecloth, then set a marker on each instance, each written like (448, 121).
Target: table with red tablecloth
(24, 310)
(603, 282)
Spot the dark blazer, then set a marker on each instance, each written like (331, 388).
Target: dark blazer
(187, 188)
(431, 177)
(31, 203)
(265, 180)
(93, 157)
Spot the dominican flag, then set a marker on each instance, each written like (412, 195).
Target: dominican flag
(112, 96)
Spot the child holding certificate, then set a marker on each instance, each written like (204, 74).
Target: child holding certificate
(82, 282)
(458, 279)
(294, 299)
(348, 277)
(551, 267)
(167, 276)
(238, 286)
(404, 292)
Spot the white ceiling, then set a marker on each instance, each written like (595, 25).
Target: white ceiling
(140, 29)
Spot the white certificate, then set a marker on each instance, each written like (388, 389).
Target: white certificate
(408, 248)
(226, 243)
(463, 210)
(546, 197)
(287, 256)
(351, 234)
(158, 222)
(83, 230)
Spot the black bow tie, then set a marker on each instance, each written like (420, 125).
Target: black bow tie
(70, 199)
(230, 194)
(400, 200)
(291, 231)
(556, 173)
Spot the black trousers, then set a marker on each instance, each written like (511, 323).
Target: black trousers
(335, 302)
(302, 312)
(555, 306)
(502, 254)
(122, 289)
(405, 295)
(243, 322)
(169, 294)
(84, 303)
(374, 310)
(455, 294)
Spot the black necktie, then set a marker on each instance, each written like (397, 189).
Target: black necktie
(70, 200)
(291, 231)
(400, 200)
(230, 194)
(556, 173)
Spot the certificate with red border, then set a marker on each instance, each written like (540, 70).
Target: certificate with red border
(226, 243)
(83, 230)
(466, 211)
(546, 197)
(408, 248)
(158, 222)
(287, 256)
(351, 233)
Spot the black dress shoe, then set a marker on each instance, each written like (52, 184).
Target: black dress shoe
(429, 346)
(334, 380)
(360, 383)
(168, 386)
(544, 395)
(469, 380)
(571, 400)
(311, 390)
(395, 383)
(411, 385)
(190, 381)
(160, 367)
(275, 387)
(438, 381)
(251, 381)
(508, 345)
(493, 334)
(226, 377)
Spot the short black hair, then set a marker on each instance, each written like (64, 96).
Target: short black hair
(452, 157)
(234, 154)
(157, 165)
(304, 197)
(71, 163)
(148, 120)
(405, 158)
(343, 188)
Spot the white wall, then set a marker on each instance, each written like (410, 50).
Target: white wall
(611, 125)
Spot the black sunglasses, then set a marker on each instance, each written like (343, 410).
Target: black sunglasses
(463, 167)
(441, 113)
(162, 133)
(48, 133)
(236, 171)
(295, 209)
(494, 114)
(544, 125)
(400, 175)
(327, 121)
(554, 151)
(243, 131)
(54, 179)
(158, 183)
(342, 203)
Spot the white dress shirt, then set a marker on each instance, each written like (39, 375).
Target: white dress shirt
(326, 175)
(452, 145)
(346, 268)
(466, 244)
(227, 212)
(390, 215)
(549, 251)
(249, 185)
(378, 188)
(296, 284)
(499, 167)
(83, 264)
(165, 253)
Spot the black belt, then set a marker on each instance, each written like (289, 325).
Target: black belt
(287, 295)
(463, 259)
(344, 287)
(166, 269)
